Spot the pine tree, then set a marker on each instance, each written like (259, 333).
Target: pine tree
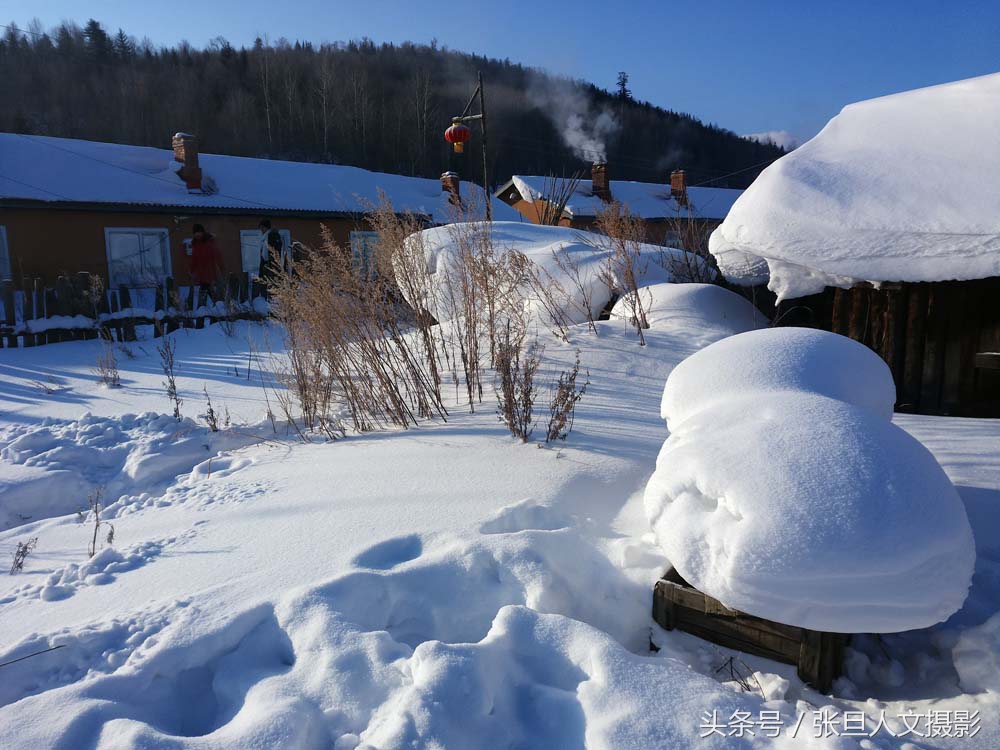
(124, 47)
(98, 41)
(624, 92)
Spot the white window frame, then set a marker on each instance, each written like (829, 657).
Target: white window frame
(362, 254)
(255, 234)
(162, 232)
(6, 272)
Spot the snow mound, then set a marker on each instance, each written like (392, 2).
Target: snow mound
(568, 262)
(693, 308)
(779, 359)
(858, 201)
(977, 657)
(52, 467)
(785, 490)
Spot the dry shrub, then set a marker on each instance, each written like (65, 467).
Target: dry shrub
(564, 396)
(106, 366)
(168, 350)
(481, 291)
(685, 232)
(345, 336)
(21, 554)
(516, 366)
(625, 265)
(556, 193)
(401, 258)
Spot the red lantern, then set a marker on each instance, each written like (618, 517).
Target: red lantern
(457, 135)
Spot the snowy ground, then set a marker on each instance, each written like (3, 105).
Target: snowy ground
(444, 587)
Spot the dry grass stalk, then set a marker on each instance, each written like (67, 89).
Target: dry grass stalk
(516, 367)
(685, 232)
(21, 554)
(564, 396)
(345, 334)
(625, 265)
(106, 366)
(556, 193)
(167, 350)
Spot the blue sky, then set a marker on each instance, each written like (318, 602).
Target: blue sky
(748, 66)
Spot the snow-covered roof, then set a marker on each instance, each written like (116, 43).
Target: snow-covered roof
(65, 170)
(648, 200)
(901, 188)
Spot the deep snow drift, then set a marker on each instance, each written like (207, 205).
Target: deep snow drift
(436, 588)
(785, 491)
(570, 262)
(877, 196)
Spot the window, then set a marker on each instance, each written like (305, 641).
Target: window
(363, 246)
(137, 257)
(4, 255)
(250, 247)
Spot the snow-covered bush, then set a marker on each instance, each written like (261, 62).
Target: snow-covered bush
(785, 491)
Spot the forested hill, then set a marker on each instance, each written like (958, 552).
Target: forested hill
(379, 106)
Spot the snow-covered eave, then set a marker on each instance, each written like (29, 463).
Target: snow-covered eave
(201, 208)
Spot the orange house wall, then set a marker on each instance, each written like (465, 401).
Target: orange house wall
(45, 242)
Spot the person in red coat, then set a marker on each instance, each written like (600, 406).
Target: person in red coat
(205, 266)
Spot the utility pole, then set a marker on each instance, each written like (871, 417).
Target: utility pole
(481, 118)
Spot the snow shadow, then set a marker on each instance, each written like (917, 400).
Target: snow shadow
(390, 553)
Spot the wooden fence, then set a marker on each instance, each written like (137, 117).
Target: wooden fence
(78, 307)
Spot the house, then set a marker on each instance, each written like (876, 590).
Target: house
(886, 228)
(126, 212)
(669, 210)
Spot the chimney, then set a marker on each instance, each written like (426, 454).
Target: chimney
(450, 183)
(679, 187)
(600, 183)
(186, 152)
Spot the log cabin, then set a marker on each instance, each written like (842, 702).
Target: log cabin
(885, 228)
(126, 212)
(673, 212)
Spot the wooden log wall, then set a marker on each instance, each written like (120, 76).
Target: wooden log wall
(929, 334)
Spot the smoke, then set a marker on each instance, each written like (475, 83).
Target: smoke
(781, 138)
(583, 128)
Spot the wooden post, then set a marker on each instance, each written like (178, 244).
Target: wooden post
(913, 357)
(38, 307)
(9, 316)
(934, 348)
(128, 324)
(27, 311)
(486, 171)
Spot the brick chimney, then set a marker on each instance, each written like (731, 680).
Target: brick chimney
(600, 182)
(450, 183)
(186, 152)
(679, 187)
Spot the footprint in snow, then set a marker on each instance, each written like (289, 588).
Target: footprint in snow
(390, 553)
(526, 516)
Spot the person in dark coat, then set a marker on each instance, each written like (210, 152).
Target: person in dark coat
(205, 266)
(273, 254)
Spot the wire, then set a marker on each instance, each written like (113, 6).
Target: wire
(37, 653)
(34, 187)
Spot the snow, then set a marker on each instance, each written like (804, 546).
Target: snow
(779, 359)
(876, 196)
(571, 263)
(648, 200)
(61, 169)
(440, 587)
(813, 512)
(699, 310)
